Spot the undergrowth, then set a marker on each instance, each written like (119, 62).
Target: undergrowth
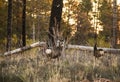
(72, 66)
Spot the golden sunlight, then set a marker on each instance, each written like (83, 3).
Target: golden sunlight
(118, 2)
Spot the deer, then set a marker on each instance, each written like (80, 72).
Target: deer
(55, 47)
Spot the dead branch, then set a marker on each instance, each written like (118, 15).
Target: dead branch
(41, 44)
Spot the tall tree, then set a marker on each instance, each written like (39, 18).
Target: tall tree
(9, 25)
(55, 19)
(114, 32)
(24, 24)
(54, 29)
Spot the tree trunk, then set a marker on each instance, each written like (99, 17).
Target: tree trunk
(114, 30)
(55, 19)
(24, 24)
(9, 25)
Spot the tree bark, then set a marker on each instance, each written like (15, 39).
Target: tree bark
(9, 26)
(55, 18)
(24, 24)
(114, 29)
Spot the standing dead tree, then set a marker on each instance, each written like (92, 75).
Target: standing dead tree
(54, 42)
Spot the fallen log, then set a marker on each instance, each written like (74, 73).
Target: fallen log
(40, 44)
(37, 44)
(89, 48)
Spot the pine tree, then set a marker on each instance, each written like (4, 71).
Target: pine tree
(24, 24)
(9, 25)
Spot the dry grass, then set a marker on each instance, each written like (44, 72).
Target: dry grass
(72, 66)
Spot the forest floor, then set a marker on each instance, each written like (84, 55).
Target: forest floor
(73, 66)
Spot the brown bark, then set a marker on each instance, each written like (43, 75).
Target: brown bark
(24, 24)
(55, 19)
(9, 26)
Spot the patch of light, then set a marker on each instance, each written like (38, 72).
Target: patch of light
(65, 1)
(71, 21)
(118, 2)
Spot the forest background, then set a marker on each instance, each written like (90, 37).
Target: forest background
(76, 22)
